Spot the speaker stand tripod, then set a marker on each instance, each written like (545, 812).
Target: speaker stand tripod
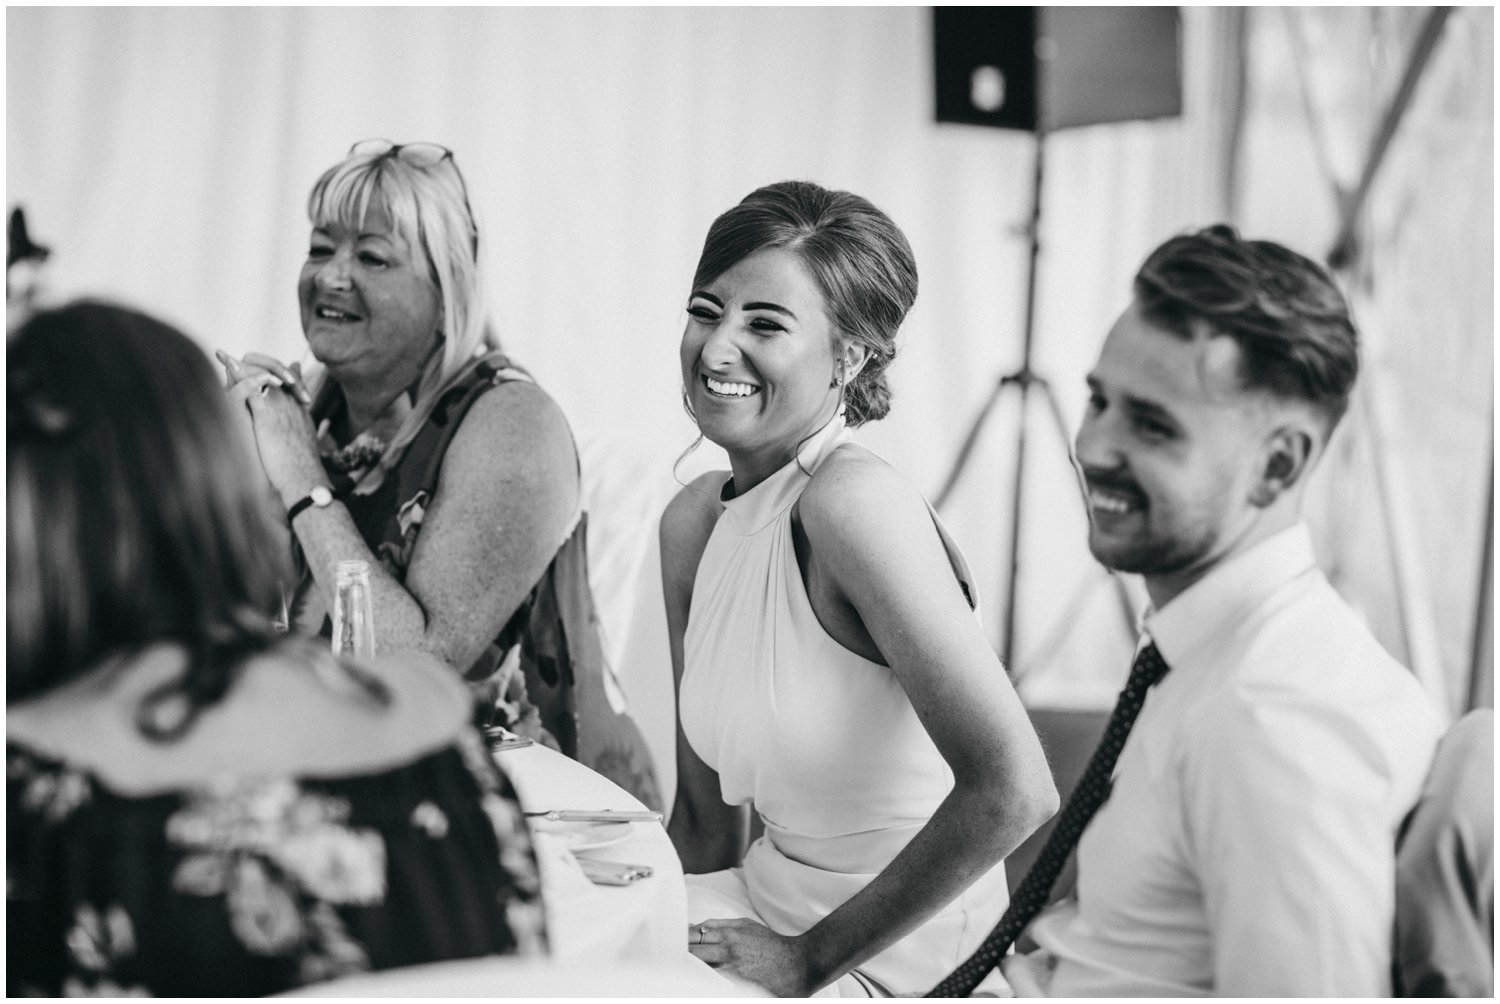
(1024, 379)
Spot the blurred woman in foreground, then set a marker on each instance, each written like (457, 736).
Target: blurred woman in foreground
(196, 804)
(422, 449)
(831, 673)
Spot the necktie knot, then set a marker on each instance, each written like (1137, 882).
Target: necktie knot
(1148, 669)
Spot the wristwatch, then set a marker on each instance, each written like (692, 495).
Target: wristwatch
(318, 495)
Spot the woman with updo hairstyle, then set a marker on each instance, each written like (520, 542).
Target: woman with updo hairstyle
(415, 444)
(831, 672)
(198, 804)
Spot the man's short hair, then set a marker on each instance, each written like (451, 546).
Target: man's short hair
(1290, 320)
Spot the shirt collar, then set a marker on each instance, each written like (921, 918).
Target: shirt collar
(1228, 593)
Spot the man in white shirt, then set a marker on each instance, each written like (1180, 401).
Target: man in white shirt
(1248, 845)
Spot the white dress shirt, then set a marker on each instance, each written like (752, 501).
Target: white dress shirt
(1248, 847)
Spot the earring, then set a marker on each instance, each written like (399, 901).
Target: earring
(838, 377)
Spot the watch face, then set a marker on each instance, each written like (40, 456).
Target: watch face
(320, 496)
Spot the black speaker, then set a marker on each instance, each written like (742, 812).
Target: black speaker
(1047, 68)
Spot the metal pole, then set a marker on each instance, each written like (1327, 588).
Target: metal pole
(1481, 689)
(1024, 378)
(1343, 251)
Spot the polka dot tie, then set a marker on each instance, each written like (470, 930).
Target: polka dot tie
(1093, 789)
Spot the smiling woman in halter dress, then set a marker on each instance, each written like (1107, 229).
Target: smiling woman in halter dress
(831, 672)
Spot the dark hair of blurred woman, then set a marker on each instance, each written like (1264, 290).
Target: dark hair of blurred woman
(136, 512)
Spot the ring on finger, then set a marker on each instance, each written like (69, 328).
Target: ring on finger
(265, 382)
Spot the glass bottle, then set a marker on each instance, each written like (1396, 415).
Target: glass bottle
(353, 618)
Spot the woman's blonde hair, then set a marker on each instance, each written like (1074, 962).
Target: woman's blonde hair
(428, 207)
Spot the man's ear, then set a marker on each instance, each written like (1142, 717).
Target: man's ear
(1286, 457)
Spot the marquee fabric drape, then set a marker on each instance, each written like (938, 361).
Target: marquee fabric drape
(1402, 502)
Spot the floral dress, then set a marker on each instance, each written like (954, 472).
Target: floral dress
(261, 885)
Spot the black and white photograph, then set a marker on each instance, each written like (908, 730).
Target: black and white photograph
(709, 501)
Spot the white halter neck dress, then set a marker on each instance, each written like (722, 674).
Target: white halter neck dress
(822, 742)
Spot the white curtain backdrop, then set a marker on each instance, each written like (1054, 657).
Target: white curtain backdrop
(165, 155)
(1403, 500)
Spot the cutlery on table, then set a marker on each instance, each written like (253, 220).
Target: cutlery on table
(612, 872)
(596, 816)
(501, 739)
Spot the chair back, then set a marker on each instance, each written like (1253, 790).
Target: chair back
(1445, 871)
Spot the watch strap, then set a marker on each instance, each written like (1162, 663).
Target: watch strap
(319, 496)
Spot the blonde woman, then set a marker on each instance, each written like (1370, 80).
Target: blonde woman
(422, 449)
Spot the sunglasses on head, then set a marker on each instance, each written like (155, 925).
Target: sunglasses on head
(421, 155)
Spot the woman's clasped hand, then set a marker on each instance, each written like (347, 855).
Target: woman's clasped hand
(278, 402)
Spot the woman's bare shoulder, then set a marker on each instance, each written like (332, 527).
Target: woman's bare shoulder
(517, 418)
(686, 524)
(697, 502)
(513, 454)
(855, 491)
(286, 714)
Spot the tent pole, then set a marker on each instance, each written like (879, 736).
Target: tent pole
(1481, 691)
(1354, 204)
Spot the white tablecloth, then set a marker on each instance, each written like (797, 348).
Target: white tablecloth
(508, 976)
(606, 941)
(645, 919)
